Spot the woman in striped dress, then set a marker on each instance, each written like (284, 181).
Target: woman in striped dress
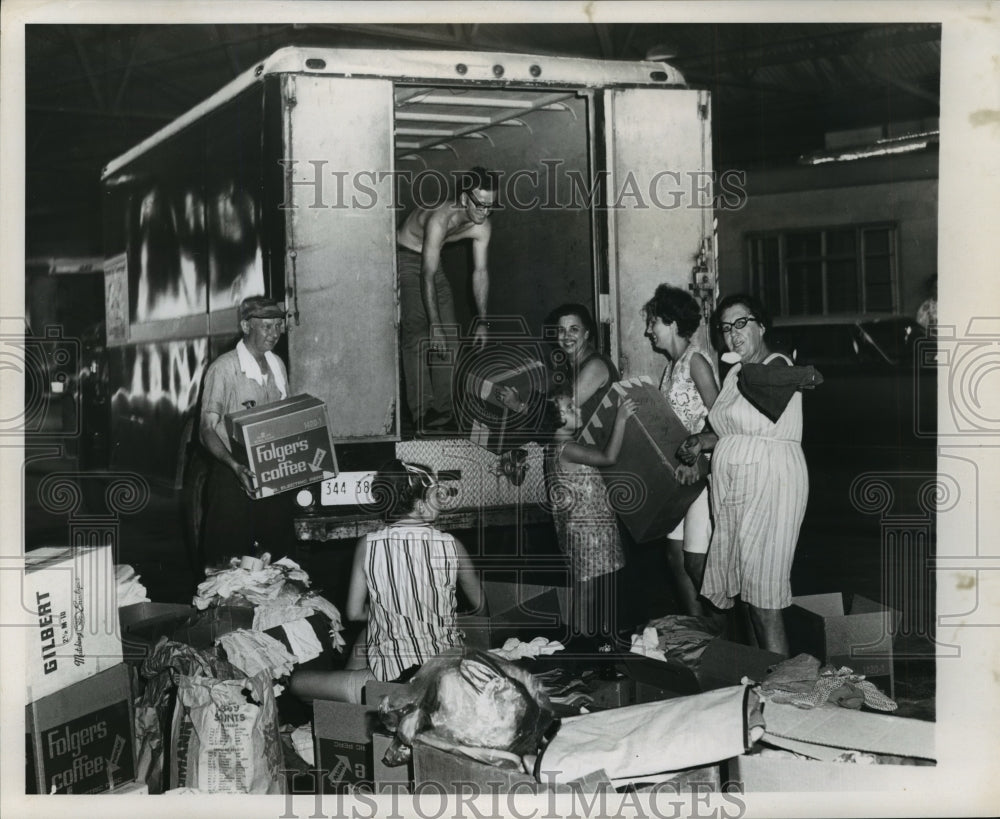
(759, 483)
(403, 584)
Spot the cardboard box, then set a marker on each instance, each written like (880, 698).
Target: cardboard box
(722, 664)
(826, 732)
(641, 485)
(762, 774)
(73, 622)
(80, 739)
(492, 425)
(286, 444)
(343, 735)
(845, 630)
(485, 382)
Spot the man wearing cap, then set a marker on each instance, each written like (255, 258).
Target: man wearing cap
(249, 376)
(427, 307)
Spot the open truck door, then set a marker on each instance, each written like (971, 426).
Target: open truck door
(340, 261)
(659, 162)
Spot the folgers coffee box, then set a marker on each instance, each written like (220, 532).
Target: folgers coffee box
(70, 602)
(642, 487)
(286, 444)
(80, 739)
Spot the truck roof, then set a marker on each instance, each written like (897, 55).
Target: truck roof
(487, 69)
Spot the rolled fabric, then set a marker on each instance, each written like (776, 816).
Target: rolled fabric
(769, 388)
(648, 739)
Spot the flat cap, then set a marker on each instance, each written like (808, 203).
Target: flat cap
(260, 307)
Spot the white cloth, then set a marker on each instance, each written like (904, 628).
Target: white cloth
(303, 640)
(251, 369)
(515, 649)
(129, 589)
(253, 651)
(644, 740)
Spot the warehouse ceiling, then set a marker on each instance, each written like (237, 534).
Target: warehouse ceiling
(777, 90)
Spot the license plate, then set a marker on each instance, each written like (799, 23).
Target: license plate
(347, 489)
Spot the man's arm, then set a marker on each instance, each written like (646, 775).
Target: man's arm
(481, 277)
(213, 443)
(434, 235)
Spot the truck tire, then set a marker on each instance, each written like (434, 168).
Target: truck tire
(192, 506)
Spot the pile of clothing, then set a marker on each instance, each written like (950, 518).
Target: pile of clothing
(801, 681)
(279, 594)
(675, 636)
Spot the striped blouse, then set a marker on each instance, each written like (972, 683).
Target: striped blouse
(412, 572)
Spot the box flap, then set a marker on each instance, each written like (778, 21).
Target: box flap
(276, 408)
(844, 728)
(825, 605)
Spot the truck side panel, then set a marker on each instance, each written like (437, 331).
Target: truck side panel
(340, 267)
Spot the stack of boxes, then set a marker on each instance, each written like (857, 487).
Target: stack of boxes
(78, 717)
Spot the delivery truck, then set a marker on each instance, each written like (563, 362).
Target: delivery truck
(291, 181)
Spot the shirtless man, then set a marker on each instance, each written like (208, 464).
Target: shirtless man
(426, 301)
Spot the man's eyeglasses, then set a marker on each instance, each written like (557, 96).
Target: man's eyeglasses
(739, 324)
(268, 325)
(480, 205)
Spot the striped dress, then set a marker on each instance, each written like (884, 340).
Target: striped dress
(412, 572)
(759, 491)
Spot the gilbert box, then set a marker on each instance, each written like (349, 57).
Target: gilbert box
(641, 486)
(844, 630)
(286, 444)
(71, 605)
(79, 739)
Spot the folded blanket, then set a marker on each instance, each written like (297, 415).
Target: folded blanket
(770, 388)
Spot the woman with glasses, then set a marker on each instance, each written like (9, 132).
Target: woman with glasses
(404, 585)
(759, 479)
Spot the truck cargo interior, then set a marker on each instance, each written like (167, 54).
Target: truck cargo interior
(541, 253)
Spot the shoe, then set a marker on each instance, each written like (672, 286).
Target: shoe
(437, 420)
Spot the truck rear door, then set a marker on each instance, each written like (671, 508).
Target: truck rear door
(340, 271)
(659, 162)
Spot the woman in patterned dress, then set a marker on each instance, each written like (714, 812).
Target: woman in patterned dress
(586, 527)
(759, 483)
(690, 385)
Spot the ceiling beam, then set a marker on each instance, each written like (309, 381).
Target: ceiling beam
(81, 55)
(605, 41)
(116, 106)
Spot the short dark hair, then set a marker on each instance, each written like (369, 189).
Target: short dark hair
(673, 304)
(574, 309)
(752, 303)
(477, 179)
(398, 486)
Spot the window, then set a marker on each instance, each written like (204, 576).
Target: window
(832, 271)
